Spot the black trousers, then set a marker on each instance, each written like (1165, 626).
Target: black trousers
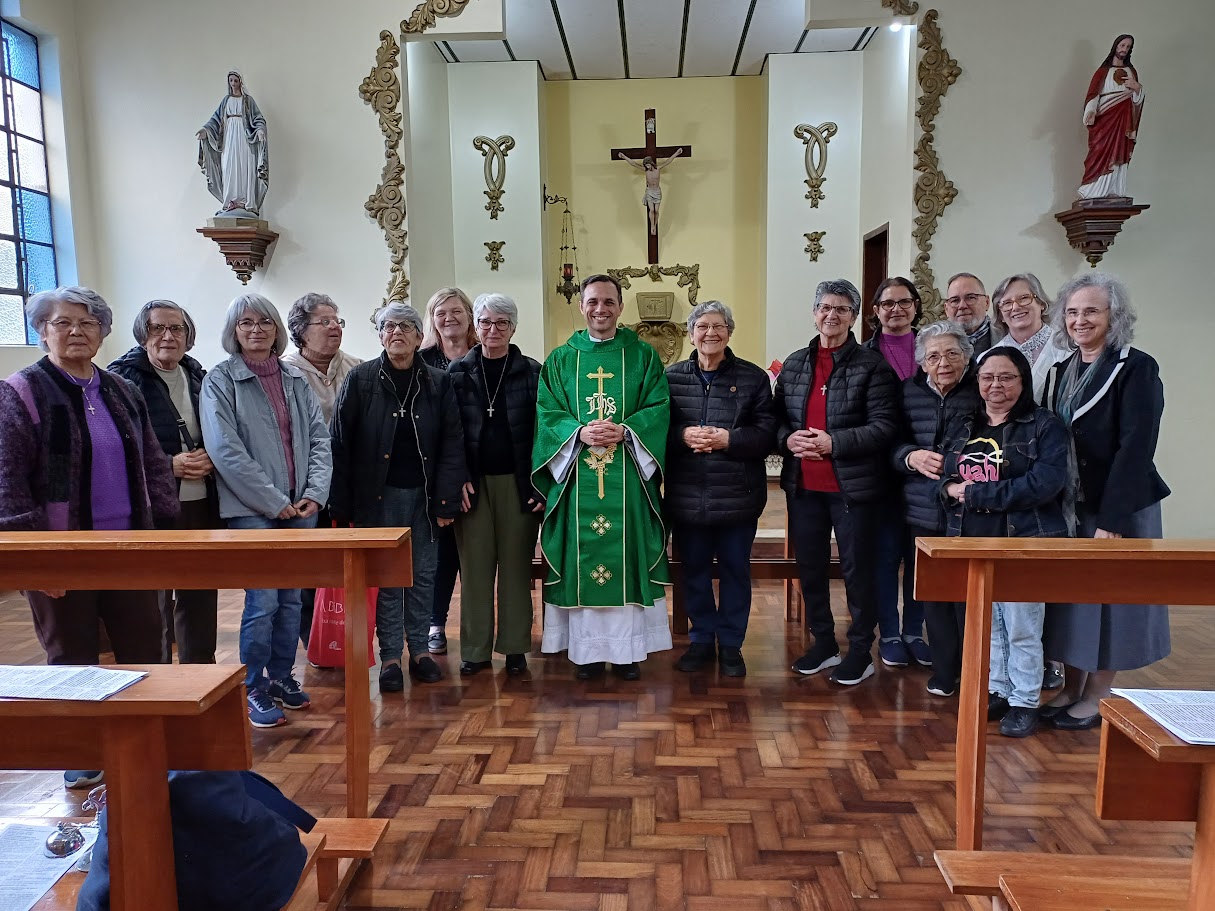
(812, 516)
(445, 576)
(189, 617)
(945, 622)
(67, 627)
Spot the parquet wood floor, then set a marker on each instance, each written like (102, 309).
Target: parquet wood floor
(679, 791)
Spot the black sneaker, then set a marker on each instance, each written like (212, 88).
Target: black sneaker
(516, 665)
(730, 662)
(997, 707)
(855, 667)
(630, 671)
(942, 686)
(1019, 722)
(392, 680)
(425, 670)
(468, 668)
(821, 655)
(698, 656)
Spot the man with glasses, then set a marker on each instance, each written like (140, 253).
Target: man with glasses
(967, 303)
(601, 434)
(836, 403)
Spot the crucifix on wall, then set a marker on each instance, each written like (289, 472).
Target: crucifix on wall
(651, 159)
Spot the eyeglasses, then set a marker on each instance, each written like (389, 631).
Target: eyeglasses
(329, 322)
(486, 324)
(1004, 379)
(388, 327)
(838, 311)
(87, 326)
(1023, 300)
(705, 328)
(903, 303)
(971, 300)
(248, 325)
(174, 329)
(1087, 312)
(954, 357)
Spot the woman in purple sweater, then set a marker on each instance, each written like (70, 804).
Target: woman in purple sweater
(79, 454)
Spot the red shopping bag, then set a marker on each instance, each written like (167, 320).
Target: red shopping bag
(327, 641)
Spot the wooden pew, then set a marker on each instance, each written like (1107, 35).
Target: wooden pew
(353, 558)
(1026, 892)
(980, 872)
(980, 570)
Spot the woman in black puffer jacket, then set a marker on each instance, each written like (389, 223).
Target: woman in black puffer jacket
(722, 428)
(941, 392)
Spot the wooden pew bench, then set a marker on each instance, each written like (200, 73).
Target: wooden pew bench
(1025, 892)
(980, 872)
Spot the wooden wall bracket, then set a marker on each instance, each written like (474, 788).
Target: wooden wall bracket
(1092, 224)
(242, 241)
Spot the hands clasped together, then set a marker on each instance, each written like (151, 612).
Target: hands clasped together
(706, 439)
(810, 444)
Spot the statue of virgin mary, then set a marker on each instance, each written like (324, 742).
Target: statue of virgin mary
(233, 153)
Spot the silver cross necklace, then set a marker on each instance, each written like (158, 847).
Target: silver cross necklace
(84, 388)
(492, 398)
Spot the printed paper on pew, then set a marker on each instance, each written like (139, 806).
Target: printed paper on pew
(26, 873)
(88, 684)
(1188, 714)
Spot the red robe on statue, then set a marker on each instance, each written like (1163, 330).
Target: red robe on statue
(1111, 138)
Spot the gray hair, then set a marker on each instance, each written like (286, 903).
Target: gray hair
(840, 287)
(943, 329)
(1035, 288)
(301, 312)
(236, 312)
(496, 303)
(402, 313)
(38, 308)
(953, 278)
(1122, 314)
(711, 307)
(143, 319)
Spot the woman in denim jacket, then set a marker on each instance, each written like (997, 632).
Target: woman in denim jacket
(1006, 467)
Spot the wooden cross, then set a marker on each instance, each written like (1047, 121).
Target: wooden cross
(652, 150)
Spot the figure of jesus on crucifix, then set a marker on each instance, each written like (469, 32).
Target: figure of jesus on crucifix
(649, 160)
(653, 191)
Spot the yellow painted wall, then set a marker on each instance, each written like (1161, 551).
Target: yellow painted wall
(711, 205)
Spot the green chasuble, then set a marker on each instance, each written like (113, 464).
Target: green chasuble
(603, 535)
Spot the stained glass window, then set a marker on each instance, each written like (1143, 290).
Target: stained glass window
(27, 241)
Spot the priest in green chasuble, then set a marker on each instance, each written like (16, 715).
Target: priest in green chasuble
(601, 427)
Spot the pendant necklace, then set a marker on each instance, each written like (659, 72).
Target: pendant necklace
(501, 377)
(84, 389)
(402, 413)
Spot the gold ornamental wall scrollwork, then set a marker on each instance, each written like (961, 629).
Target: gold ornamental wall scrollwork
(494, 257)
(426, 14)
(494, 152)
(937, 71)
(814, 244)
(902, 7)
(382, 90)
(689, 277)
(815, 139)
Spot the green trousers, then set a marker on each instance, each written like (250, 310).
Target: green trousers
(496, 540)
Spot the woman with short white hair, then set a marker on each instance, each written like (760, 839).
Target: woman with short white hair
(267, 438)
(398, 459)
(496, 386)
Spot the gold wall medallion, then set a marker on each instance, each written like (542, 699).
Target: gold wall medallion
(382, 90)
(815, 139)
(814, 244)
(494, 257)
(425, 15)
(937, 71)
(494, 152)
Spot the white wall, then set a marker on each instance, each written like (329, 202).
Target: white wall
(499, 99)
(809, 88)
(1009, 136)
(887, 143)
(151, 74)
(431, 262)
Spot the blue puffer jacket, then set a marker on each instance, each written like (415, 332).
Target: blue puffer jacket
(1034, 474)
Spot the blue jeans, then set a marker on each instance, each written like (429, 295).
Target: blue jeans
(894, 545)
(270, 625)
(697, 545)
(1016, 651)
(402, 616)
